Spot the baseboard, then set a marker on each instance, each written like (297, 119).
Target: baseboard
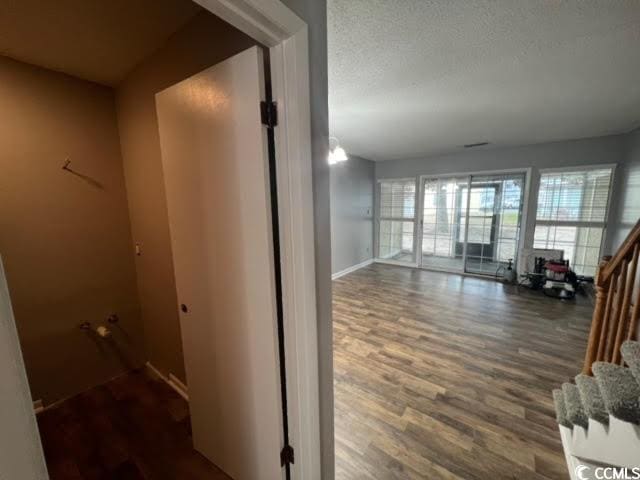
(39, 405)
(351, 269)
(389, 256)
(396, 263)
(173, 381)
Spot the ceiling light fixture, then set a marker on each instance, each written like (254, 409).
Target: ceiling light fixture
(336, 153)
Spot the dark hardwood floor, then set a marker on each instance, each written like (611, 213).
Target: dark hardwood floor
(132, 428)
(440, 376)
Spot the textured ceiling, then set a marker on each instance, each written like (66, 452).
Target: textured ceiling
(413, 78)
(97, 40)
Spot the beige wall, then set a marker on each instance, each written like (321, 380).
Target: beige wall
(203, 42)
(65, 240)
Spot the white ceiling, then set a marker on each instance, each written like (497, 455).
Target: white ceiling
(414, 78)
(97, 40)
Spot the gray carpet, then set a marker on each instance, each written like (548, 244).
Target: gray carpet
(592, 399)
(620, 391)
(631, 354)
(561, 411)
(573, 405)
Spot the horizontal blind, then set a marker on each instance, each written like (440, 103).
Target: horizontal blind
(572, 215)
(397, 199)
(574, 196)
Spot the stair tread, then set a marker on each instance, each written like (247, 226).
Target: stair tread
(592, 400)
(620, 391)
(573, 405)
(561, 411)
(631, 354)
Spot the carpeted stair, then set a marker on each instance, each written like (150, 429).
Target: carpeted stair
(620, 391)
(573, 405)
(592, 399)
(631, 354)
(613, 390)
(561, 411)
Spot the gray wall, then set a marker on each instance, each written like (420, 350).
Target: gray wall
(351, 212)
(625, 208)
(314, 13)
(591, 151)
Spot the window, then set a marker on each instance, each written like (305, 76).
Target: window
(396, 216)
(572, 215)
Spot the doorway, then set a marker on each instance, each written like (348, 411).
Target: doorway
(470, 223)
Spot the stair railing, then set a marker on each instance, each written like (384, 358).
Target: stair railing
(617, 307)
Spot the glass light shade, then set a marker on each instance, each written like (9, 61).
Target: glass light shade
(337, 155)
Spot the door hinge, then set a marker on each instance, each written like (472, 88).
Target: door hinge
(269, 113)
(287, 455)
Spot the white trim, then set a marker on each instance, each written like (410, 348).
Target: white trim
(393, 179)
(615, 444)
(390, 256)
(171, 380)
(276, 26)
(499, 171)
(352, 268)
(397, 263)
(524, 218)
(579, 168)
(268, 21)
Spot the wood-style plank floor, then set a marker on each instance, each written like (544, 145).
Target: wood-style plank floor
(132, 428)
(440, 376)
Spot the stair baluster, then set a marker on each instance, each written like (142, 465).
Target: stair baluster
(617, 309)
(623, 325)
(617, 312)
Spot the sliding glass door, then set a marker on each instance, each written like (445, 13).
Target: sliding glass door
(495, 210)
(444, 207)
(471, 223)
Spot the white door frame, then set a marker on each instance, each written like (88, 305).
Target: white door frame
(274, 25)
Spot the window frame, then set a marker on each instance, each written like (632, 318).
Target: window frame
(577, 223)
(378, 218)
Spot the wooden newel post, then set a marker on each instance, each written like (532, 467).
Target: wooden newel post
(601, 286)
